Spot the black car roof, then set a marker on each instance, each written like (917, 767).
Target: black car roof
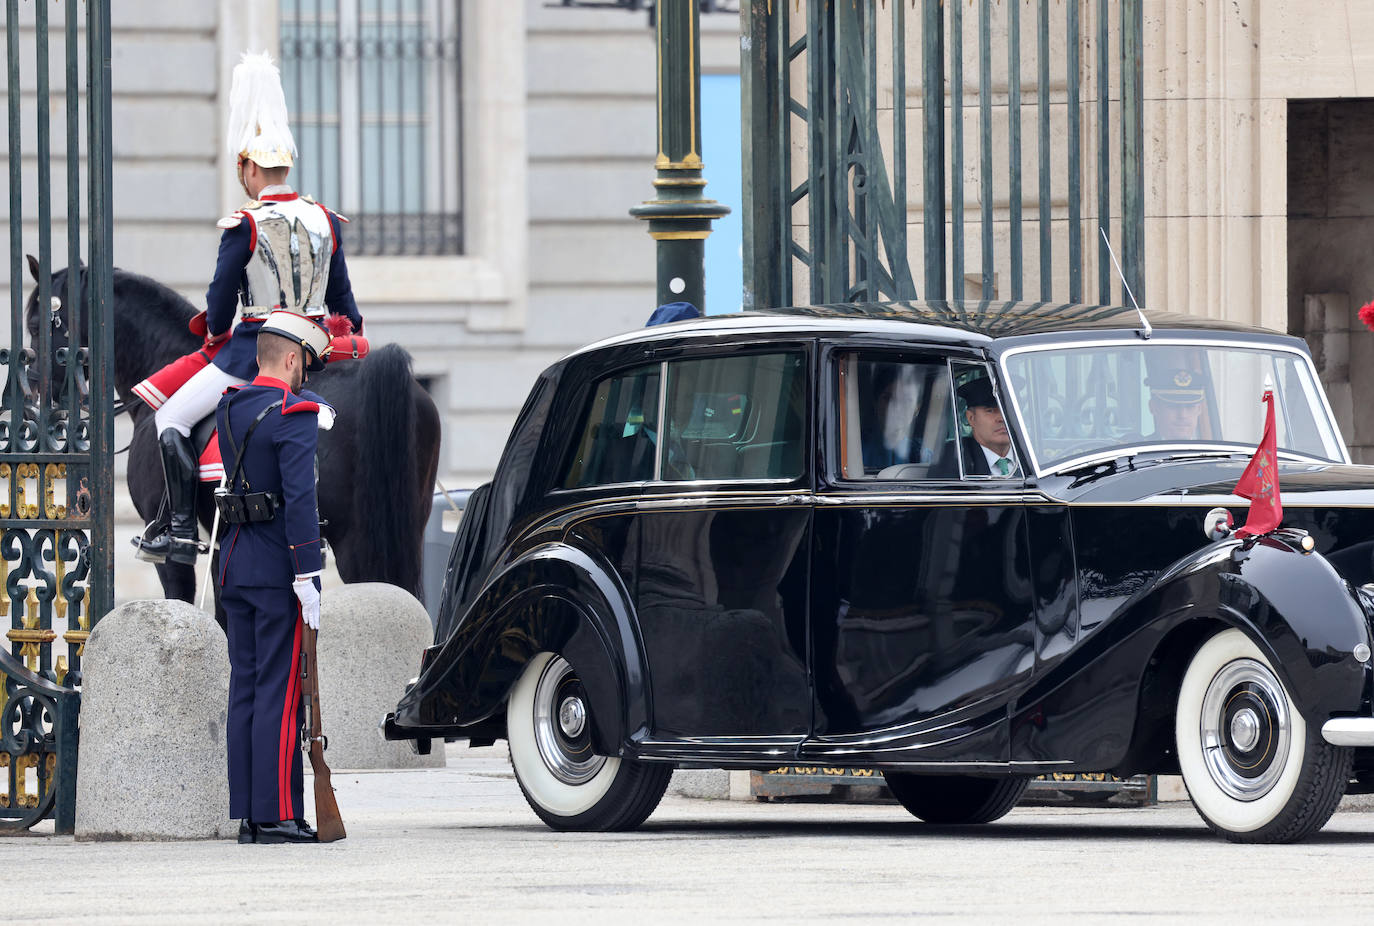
(969, 323)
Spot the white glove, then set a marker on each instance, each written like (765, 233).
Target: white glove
(309, 597)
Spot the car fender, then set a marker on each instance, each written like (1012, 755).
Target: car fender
(557, 598)
(1301, 613)
(1108, 703)
(1292, 604)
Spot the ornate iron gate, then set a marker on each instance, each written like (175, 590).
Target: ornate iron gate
(56, 413)
(829, 194)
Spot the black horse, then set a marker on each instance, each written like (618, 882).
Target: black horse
(376, 466)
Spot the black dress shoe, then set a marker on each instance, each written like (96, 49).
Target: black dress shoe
(248, 832)
(305, 827)
(283, 831)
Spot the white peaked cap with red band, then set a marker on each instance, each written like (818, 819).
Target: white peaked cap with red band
(306, 332)
(259, 129)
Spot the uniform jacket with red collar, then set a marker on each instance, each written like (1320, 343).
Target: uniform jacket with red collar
(280, 458)
(230, 285)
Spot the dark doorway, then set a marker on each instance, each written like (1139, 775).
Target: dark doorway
(1331, 252)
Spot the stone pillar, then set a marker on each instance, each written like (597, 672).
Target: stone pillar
(155, 691)
(371, 637)
(1327, 320)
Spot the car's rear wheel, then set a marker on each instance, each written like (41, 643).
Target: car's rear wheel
(1255, 771)
(570, 787)
(956, 798)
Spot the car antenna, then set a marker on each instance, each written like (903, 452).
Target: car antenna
(1144, 322)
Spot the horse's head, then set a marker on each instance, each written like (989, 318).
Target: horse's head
(64, 322)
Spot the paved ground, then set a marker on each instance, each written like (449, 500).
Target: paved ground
(459, 844)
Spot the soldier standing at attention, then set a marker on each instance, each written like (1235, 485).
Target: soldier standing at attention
(269, 576)
(279, 251)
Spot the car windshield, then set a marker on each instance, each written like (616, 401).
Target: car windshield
(1083, 401)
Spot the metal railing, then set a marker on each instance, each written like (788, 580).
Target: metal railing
(375, 99)
(817, 107)
(56, 443)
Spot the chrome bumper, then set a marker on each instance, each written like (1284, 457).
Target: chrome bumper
(1349, 731)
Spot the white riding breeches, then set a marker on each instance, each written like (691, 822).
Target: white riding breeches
(194, 400)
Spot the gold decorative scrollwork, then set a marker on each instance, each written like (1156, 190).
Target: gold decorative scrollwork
(52, 474)
(77, 637)
(6, 473)
(58, 565)
(25, 797)
(4, 776)
(31, 637)
(25, 472)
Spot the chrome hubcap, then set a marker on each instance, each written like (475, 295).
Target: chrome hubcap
(561, 730)
(572, 717)
(1245, 729)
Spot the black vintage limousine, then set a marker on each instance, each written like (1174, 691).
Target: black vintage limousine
(961, 544)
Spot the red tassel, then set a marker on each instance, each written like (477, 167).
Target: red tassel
(339, 326)
(1367, 314)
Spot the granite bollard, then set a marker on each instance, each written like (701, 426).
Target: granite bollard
(155, 689)
(371, 637)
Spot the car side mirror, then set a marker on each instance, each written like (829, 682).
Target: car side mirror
(1217, 524)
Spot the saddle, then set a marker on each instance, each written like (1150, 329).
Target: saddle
(156, 388)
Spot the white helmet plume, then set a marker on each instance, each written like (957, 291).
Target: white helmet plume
(258, 126)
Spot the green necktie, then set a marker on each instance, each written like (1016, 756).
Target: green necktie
(1003, 466)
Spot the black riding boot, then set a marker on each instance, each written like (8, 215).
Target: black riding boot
(180, 542)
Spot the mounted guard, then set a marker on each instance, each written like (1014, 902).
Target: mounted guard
(279, 251)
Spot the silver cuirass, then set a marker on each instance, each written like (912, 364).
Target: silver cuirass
(289, 267)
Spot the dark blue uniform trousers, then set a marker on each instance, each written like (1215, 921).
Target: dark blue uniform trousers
(264, 703)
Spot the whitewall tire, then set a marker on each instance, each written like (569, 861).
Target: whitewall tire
(1254, 769)
(548, 726)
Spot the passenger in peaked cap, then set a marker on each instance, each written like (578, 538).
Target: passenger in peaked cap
(987, 451)
(280, 250)
(269, 572)
(1176, 405)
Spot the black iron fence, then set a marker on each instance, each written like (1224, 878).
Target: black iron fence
(375, 98)
(56, 411)
(843, 198)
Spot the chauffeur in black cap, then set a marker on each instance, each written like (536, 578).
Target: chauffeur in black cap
(1176, 405)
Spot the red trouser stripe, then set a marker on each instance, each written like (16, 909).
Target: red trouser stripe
(287, 749)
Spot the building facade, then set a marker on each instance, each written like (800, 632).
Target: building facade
(540, 121)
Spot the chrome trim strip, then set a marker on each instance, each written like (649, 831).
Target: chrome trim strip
(1133, 341)
(1213, 452)
(914, 499)
(730, 742)
(660, 424)
(1349, 731)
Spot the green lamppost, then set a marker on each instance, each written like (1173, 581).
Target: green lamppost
(679, 218)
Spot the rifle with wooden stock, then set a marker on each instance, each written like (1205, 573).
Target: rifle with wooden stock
(328, 823)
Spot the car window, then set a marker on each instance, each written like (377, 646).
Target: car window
(619, 431)
(985, 445)
(896, 417)
(737, 417)
(1080, 401)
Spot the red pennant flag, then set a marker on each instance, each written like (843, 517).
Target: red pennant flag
(1260, 481)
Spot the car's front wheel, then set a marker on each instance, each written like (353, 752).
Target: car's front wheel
(956, 798)
(1255, 771)
(570, 787)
